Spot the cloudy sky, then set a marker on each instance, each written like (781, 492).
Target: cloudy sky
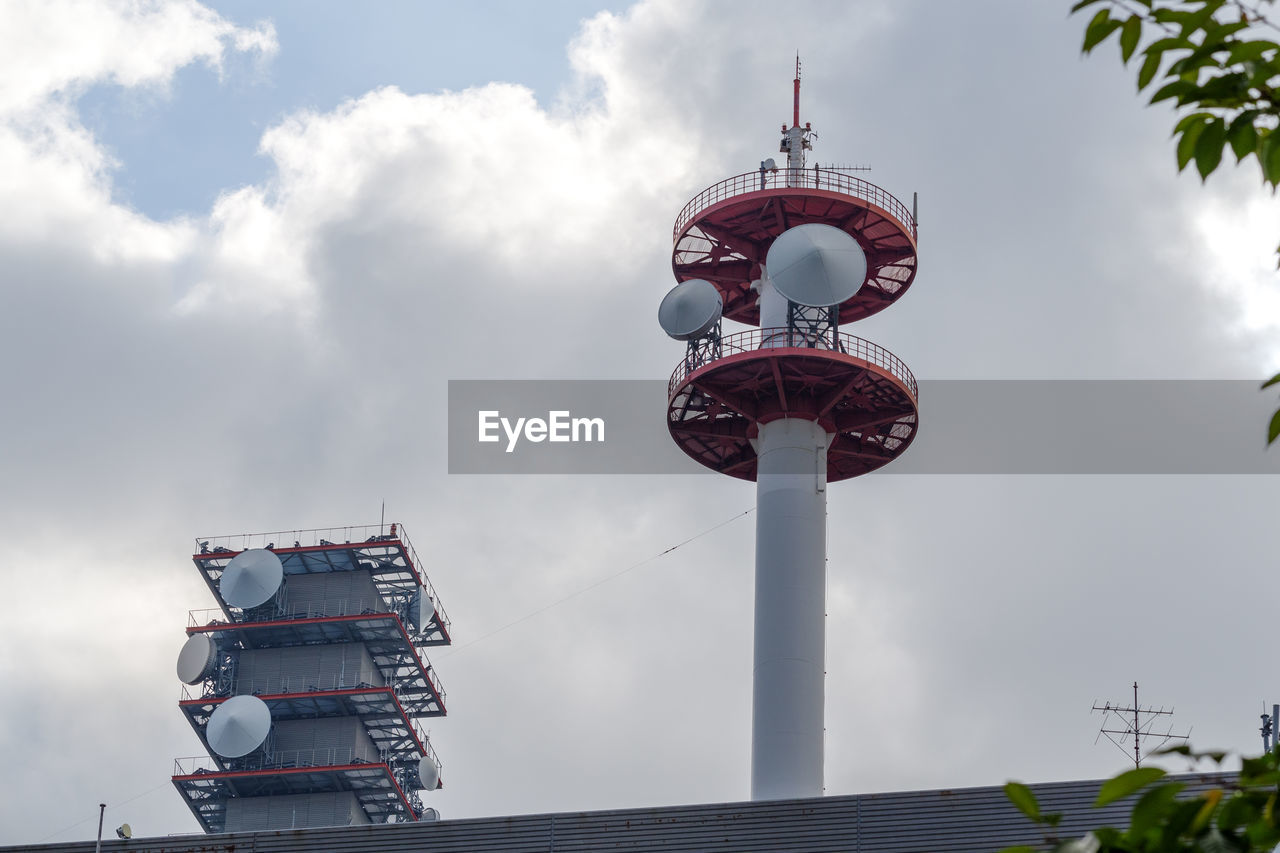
(241, 257)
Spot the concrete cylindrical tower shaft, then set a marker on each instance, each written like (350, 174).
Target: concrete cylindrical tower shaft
(790, 610)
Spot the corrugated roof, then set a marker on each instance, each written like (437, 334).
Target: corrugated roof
(940, 821)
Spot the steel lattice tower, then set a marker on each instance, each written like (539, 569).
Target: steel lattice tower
(308, 681)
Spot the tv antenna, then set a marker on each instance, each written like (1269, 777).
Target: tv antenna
(1135, 722)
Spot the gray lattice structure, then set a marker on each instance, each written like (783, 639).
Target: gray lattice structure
(336, 652)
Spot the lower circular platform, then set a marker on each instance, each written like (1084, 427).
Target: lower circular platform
(860, 391)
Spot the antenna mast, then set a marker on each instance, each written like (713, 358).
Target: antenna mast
(795, 113)
(1137, 722)
(796, 139)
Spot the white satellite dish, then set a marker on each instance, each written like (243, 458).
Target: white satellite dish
(124, 831)
(769, 165)
(428, 773)
(197, 658)
(251, 578)
(816, 265)
(690, 310)
(425, 608)
(238, 726)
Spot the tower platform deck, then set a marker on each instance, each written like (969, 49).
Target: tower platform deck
(387, 556)
(383, 634)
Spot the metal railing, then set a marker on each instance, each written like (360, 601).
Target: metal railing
(280, 759)
(361, 534)
(754, 340)
(374, 606)
(310, 683)
(305, 538)
(815, 178)
(426, 582)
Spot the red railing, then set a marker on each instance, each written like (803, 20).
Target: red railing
(760, 339)
(815, 178)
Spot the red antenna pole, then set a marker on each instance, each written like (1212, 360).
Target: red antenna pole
(795, 113)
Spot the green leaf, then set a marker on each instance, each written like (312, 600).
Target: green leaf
(1226, 90)
(1180, 817)
(1126, 783)
(1101, 26)
(1020, 795)
(1273, 431)
(1242, 135)
(1198, 58)
(1130, 32)
(1083, 3)
(1223, 32)
(1238, 811)
(1244, 50)
(1108, 837)
(1209, 147)
(1190, 119)
(1272, 381)
(1168, 43)
(1187, 144)
(1170, 90)
(1147, 73)
(1201, 18)
(1154, 808)
(1170, 16)
(1269, 157)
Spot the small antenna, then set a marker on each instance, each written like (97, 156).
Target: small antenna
(1270, 722)
(102, 810)
(795, 113)
(1137, 723)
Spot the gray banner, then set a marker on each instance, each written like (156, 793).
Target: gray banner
(966, 427)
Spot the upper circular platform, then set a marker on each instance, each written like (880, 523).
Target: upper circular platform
(725, 232)
(860, 392)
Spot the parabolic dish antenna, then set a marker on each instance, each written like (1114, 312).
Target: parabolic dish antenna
(238, 726)
(251, 578)
(425, 608)
(816, 265)
(196, 660)
(690, 309)
(428, 773)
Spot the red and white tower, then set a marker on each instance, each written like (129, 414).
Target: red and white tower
(793, 404)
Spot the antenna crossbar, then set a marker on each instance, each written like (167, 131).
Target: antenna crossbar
(1132, 717)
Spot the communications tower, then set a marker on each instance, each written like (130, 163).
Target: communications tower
(309, 680)
(793, 404)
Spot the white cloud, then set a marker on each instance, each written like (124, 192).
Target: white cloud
(54, 176)
(1239, 231)
(58, 48)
